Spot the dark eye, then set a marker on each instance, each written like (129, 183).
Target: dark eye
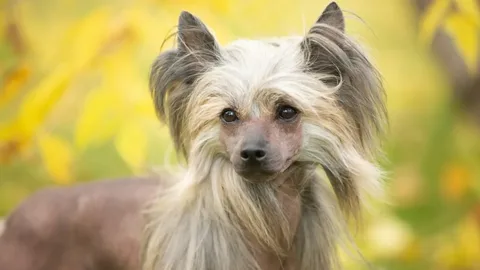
(229, 115)
(287, 113)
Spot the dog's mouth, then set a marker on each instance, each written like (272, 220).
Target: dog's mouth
(262, 174)
(257, 176)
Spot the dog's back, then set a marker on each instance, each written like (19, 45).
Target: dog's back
(89, 226)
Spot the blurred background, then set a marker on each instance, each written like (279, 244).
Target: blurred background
(75, 105)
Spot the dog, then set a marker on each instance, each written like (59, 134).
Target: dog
(254, 120)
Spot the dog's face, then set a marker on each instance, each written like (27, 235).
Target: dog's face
(252, 104)
(261, 143)
(263, 105)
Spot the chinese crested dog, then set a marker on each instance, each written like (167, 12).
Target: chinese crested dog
(254, 120)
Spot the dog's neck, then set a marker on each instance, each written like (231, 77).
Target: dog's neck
(287, 187)
(288, 195)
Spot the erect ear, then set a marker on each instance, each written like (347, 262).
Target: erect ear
(174, 72)
(324, 41)
(333, 16)
(193, 36)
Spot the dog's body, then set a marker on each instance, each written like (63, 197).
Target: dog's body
(93, 226)
(254, 120)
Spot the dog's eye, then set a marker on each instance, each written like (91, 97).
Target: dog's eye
(229, 115)
(287, 113)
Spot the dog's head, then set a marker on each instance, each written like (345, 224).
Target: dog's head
(263, 105)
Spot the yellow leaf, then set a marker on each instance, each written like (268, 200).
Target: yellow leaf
(432, 19)
(86, 38)
(13, 83)
(151, 26)
(38, 103)
(130, 85)
(57, 157)
(101, 117)
(217, 6)
(455, 182)
(131, 144)
(465, 35)
(471, 9)
(462, 248)
(412, 251)
(10, 145)
(469, 238)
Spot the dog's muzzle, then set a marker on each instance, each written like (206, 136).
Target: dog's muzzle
(254, 159)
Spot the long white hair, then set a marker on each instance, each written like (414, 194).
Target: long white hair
(209, 217)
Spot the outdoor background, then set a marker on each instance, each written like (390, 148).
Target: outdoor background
(75, 105)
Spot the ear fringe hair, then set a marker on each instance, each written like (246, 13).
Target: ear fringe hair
(172, 78)
(349, 162)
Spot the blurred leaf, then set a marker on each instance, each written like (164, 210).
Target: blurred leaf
(432, 19)
(13, 82)
(38, 103)
(412, 252)
(217, 6)
(57, 157)
(86, 38)
(100, 118)
(8, 57)
(463, 248)
(465, 35)
(471, 9)
(469, 240)
(455, 182)
(131, 143)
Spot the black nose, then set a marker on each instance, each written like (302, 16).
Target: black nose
(253, 154)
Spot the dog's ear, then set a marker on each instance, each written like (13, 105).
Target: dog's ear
(360, 95)
(174, 72)
(194, 37)
(330, 26)
(333, 16)
(341, 62)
